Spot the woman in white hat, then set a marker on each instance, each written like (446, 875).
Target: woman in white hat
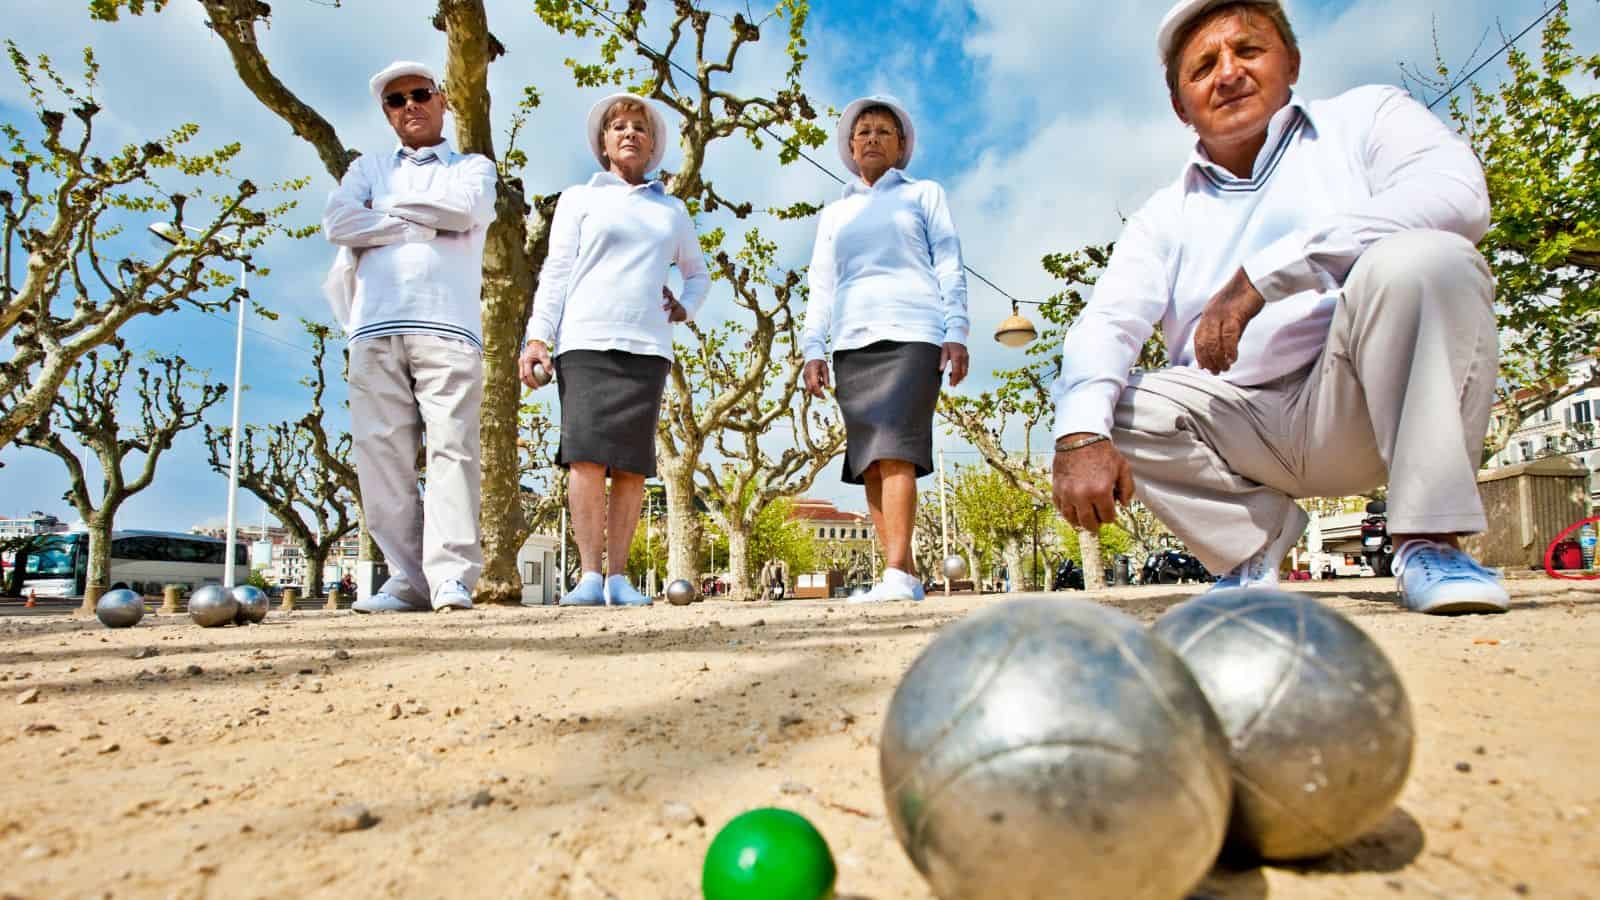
(603, 307)
(889, 291)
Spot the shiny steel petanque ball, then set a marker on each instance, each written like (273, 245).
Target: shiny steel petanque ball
(120, 608)
(955, 567)
(212, 606)
(541, 375)
(680, 592)
(1052, 748)
(253, 603)
(1318, 720)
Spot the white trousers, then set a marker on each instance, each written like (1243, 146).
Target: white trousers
(1401, 393)
(406, 392)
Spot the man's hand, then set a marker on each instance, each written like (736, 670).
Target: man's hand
(1088, 483)
(815, 376)
(1216, 338)
(534, 352)
(954, 356)
(675, 311)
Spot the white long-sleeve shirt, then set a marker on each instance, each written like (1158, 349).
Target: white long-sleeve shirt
(611, 244)
(416, 221)
(886, 267)
(1334, 177)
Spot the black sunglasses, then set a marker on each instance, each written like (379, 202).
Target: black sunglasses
(398, 99)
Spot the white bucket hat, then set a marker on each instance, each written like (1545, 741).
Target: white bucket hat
(847, 124)
(1185, 11)
(659, 133)
(398, 69)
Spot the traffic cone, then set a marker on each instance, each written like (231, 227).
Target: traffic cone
(33, 597)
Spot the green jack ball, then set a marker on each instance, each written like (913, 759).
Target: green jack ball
(770, 854)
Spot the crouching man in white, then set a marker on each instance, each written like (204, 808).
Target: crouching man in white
(1329, 323)
(411, 224)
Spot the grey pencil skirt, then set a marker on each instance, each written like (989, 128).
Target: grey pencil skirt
(610, 404)
(887, 392)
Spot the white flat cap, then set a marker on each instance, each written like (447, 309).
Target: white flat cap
(1185, 11)
(399, 69)
(847, 124)
(658, 129)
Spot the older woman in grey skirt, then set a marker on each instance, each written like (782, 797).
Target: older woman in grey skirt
(604, 309)
(888, 289)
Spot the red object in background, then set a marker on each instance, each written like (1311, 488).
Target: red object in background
(1558, 557)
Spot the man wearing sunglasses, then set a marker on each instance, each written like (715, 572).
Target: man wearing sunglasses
(410, 227)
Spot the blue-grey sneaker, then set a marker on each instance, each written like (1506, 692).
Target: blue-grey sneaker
(589, 592)
(1261, 570)
(1441, 580)
(620, 593)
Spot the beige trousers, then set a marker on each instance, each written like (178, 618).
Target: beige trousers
(404, 388)
(1401, 392)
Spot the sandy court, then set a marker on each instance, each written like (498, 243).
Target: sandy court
(576, 753)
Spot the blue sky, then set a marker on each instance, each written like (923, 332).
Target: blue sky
(1044, 121)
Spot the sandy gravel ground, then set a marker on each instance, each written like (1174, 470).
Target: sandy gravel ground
(593, 753)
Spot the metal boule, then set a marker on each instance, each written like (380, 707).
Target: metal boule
(681, 592)
(955, 567)
(1052, 748)
(120, 608)
(1317, 717)
(212, 606)
(253, 603)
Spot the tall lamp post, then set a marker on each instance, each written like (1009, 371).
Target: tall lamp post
(168, 232)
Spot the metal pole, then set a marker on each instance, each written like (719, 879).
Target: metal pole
(944, 522)
(561, 583)
(233, 437)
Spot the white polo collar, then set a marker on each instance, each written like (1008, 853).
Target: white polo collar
(611, 179)
(885, 181)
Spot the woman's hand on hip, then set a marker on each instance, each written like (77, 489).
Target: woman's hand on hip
(534, 352)
(815, 375)
(954, 356)
(675, 311)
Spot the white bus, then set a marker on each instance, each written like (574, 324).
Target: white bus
(57, 565)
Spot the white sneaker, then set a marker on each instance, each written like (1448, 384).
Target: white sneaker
(893, 588)
(1261, 570)
(910, 582)
(383, 601)
(452, 595)
(620, 593)
(1441, 580)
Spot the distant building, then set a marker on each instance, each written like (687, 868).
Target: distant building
(284, 564)
(846, 541)
(1563, 427)
(829, 523)
(30, 525)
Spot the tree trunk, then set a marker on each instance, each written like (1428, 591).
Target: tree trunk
(316, 560)
(1094, 574)
(1012, 554)
(739, 563)
(507, 285)
(99, 528)
(683, 523)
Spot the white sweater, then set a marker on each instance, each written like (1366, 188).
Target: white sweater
(1334, 177)
(886, 267)
(416, 223)
(611, 245)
